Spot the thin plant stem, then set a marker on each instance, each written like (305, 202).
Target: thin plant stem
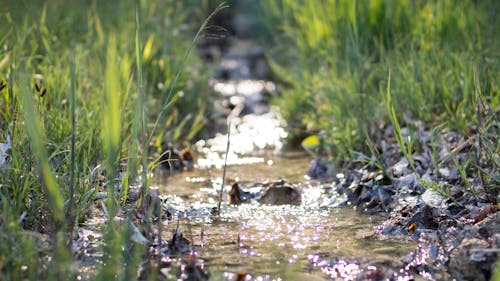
(142, 96)
(479, 126)
(404, 145)
(159, 236)
(225, 166)
(190, 233)
(72, 165)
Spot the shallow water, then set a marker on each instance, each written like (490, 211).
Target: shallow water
(268, 242)
(272, 242)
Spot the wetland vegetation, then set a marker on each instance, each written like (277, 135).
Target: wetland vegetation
(389, 108)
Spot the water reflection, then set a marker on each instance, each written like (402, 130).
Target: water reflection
(271, 242)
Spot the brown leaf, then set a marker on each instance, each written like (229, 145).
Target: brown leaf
(485, 211)
(412, 228)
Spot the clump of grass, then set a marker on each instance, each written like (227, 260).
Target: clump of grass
(439, 188)
(462, 172)
(37, 138)
(67, 70)
(332, 57)
(404, 144)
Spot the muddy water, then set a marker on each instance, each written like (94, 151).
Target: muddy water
(268, 242)
(272, 242)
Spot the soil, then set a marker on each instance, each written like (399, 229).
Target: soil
(457, 228)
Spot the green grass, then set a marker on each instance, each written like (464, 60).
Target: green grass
(94, 83)
(405, 144)
(81, 93)
(333, 58)
(336, 56)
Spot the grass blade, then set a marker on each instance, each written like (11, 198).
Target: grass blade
(111, 123)
(71, 206)
(37, 141)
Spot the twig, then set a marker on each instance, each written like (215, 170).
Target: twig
(488, 250)
(457, 149)
(190, 233)
(225, 166)
(202, 236)
(479, 127)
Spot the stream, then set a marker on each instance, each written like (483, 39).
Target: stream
(315, 239)
(352, 226)
(272, 242)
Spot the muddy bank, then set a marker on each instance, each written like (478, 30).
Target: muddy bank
(452, 215)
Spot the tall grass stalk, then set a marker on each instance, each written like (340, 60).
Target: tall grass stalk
(111, 123)
(37, 142)
(142, 98)
(480, 125)
(37, 136)
(404, 145)
(72, 100)
(110, 135)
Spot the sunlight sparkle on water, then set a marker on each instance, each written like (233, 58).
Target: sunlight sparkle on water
(288, 237)
(249, 133)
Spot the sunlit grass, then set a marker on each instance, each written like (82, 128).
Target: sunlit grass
(99, 88)
(37, 142)
(405, 144)
(333, 57)
(71, 108)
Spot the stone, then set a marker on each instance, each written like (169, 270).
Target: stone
(280, 195)
(467, 262)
